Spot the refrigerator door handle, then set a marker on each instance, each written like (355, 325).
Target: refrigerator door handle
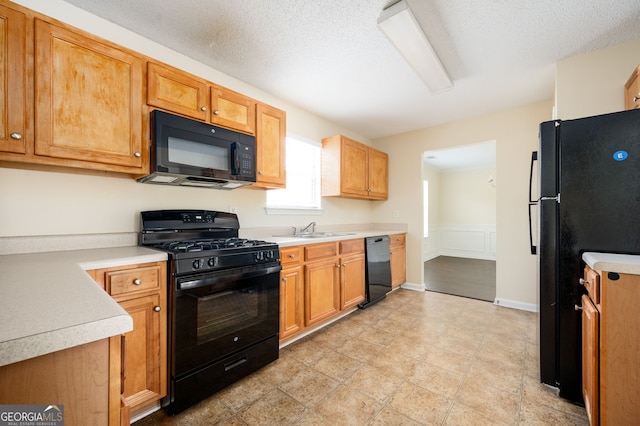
(534, 157)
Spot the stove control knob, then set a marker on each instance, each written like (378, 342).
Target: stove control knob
(196, 264)
(212, 262)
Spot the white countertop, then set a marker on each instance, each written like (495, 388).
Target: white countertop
(299, 241)
(49, 303)
(611, 262)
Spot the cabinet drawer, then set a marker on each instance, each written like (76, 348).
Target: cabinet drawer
(397, 240)
(591, 282)
(352, 246)
(320, 251)
(130, 280)
(290, 256)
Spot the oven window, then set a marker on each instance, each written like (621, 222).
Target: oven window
(197, 154)
(219, 313)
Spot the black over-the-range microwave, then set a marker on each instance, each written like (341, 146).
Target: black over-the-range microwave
(187, 152)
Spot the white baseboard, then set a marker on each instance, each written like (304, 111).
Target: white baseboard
(516, 305)
(412, 286)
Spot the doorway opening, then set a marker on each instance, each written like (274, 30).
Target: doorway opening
(459, 245)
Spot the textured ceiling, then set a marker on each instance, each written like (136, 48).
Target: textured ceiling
(328, 56)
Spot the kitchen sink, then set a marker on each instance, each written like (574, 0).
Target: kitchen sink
(317, 234)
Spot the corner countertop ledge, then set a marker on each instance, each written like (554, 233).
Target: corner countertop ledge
(612, 262)
(49, 303)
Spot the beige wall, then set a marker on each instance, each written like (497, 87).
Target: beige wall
(516, 134)
(42, 203)
(593, 83)
(466, 198)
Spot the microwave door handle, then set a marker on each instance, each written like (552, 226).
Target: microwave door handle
(235, 159)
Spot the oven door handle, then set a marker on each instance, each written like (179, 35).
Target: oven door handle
(203, 280)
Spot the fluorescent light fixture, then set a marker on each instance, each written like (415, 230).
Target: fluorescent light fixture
(402, 29)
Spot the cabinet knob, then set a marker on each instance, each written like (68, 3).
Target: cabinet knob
(292, 256)
(577, 308)
(157, 309)
(635, 99)
(337, 265)
(137, 281)
(259, 172)
(284, 279)
(204, 108)
(17, 136)
(582, 281)
(216, 112)
(137, 154)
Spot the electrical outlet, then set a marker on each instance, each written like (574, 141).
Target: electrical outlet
(396, 213)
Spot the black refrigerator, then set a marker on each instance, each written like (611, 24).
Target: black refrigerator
(588, 200)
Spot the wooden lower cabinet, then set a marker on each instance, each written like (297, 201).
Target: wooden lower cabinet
(318, 281)
(80, 378)
(291, 292)
(141, 291)
(321, 291)
(611, 347)
(398, 257)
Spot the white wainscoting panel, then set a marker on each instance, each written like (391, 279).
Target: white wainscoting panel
(471, 241)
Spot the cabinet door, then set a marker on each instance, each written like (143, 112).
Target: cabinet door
(88, 100)
(352, 280)
(291, 301)
(632, 91)
(233, 110)
(398, 257)
(13, 131)
(321, 291)
(378, 175)
(142, 381)
(177, 91)
(270, 147)
(354, 168)
(590, 359)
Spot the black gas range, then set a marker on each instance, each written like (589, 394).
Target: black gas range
(223, 297)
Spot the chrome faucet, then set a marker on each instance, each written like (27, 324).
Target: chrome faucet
(312, 225)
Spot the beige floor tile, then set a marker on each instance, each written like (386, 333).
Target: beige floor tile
(348, 407)
(309, 386)
(276, 408)
(359, 349)
(536, 414)
(394, 361)
(436, 379)
(306, 350)
(447, 360)
(490, 402)
(338, 366)
(390, 417)
(509, 380)
(281, 370)
(311, 418)
(244, 392)
(375, 382)
(461, 415)
(377, 336)
(420, 405)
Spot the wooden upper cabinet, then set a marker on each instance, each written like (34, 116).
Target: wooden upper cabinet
(233, 110)
(13, 69)
(174, 90)
(270, 140)
(351, 169)
(378, 174)
(88, 100)
(632, 90)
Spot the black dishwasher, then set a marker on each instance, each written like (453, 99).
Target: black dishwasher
(377, 270)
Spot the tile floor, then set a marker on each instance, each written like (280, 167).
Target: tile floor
(416, 358)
